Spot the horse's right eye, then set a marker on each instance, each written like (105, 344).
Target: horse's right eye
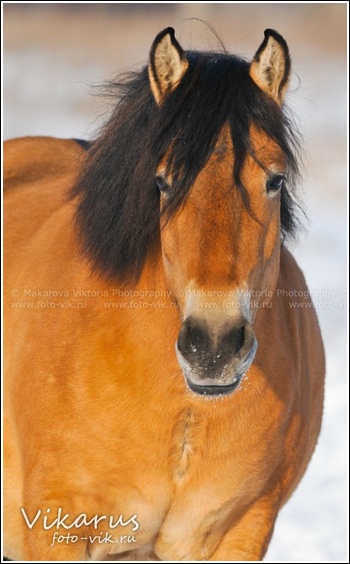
(162, 184)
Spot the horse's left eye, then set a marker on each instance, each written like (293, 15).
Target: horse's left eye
(275, 183)
(162, 184)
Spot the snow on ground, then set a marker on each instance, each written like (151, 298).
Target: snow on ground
(48, 92)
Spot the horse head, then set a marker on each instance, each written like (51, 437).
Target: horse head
(221, 244)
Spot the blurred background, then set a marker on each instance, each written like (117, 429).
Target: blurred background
(54, 55)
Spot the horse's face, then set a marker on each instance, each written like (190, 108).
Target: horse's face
(221, 260)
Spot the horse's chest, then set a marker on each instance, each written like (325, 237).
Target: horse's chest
(181, 507)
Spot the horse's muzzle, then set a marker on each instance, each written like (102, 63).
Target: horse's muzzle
(215, 360)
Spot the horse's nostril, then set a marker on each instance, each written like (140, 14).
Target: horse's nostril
(196, 337)
(193, 339)
(234, 339)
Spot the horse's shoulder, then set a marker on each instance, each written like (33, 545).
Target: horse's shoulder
(30, 159)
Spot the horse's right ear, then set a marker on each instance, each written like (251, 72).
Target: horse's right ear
(167, 64)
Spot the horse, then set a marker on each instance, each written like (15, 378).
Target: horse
(164, 363)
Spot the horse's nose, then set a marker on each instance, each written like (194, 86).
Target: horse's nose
(196, 341)
(215, 357)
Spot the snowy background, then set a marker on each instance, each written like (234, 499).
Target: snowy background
(52, 58)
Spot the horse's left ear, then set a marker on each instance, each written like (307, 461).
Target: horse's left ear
(270, 67)
(167, 64)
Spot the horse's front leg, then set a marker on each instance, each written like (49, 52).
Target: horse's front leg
(250, 536)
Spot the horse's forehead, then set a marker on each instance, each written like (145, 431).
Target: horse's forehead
(224, 143)
(265, 149)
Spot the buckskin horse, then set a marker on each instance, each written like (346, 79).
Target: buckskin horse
(163, 393)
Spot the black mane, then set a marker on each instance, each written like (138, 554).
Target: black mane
(118, 211)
